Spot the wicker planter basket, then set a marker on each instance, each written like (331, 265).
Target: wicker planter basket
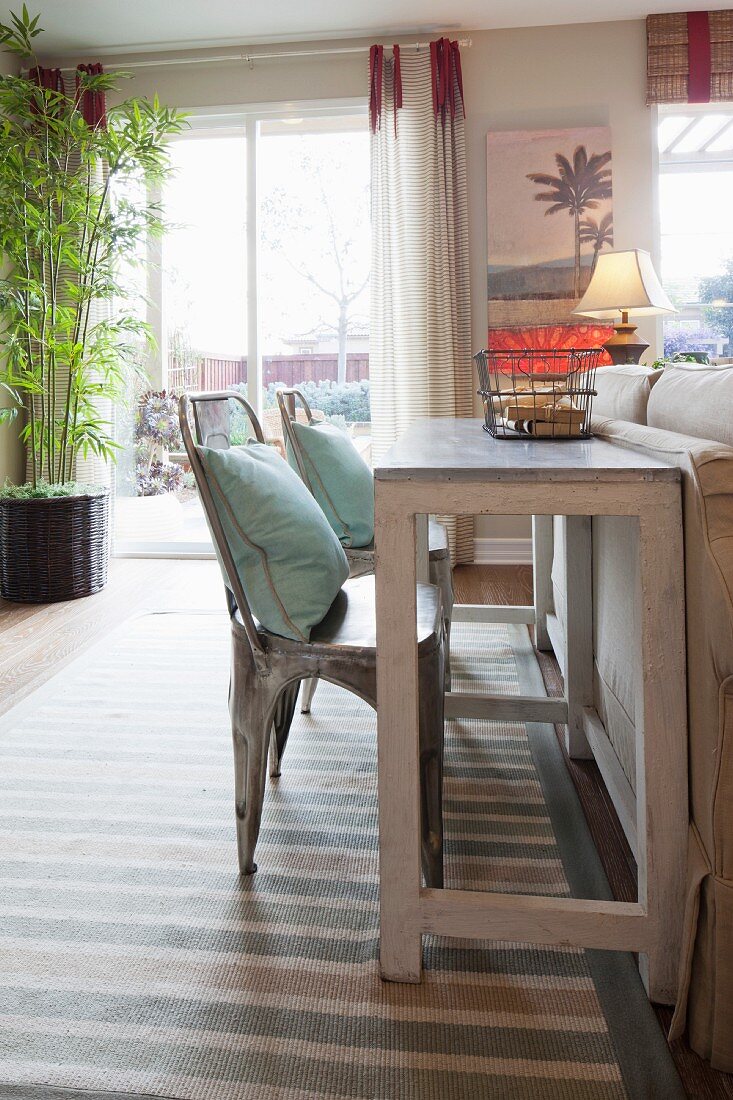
(53, 549)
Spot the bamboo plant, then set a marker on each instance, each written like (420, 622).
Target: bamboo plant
(75, 211)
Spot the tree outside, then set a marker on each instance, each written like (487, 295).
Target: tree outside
(714, 289)
(315, 244)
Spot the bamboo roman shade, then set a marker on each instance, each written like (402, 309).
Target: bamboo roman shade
(690, 57)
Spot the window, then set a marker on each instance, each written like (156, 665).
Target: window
(262, 281)
(696, 217)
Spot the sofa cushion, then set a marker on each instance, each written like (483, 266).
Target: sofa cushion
(616, 633)
(340, 479)
(622, 392)
(707, 502)
(707, 485)
(289, 561)
(696, 400)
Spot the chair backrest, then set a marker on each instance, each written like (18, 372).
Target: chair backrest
(287, 403)
(212, 422)
(212, 418)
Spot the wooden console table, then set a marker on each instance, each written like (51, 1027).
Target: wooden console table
(453, 467)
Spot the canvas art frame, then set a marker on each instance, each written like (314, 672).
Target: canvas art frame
(549, 197)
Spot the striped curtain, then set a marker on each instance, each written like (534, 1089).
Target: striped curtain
(420, 341)
(690, 57)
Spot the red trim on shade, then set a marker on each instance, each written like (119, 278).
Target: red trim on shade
(376, 64)
(698, 50)
(397, 84)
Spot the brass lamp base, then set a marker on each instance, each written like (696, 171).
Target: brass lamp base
(625, 346)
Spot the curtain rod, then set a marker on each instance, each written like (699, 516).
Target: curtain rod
(250, 58)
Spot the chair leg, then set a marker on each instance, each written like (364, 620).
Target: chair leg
(431, 678)
(441, 575)
(284, 712)
(252, 703)
(250, 761)
(447, 676)
(309, 690)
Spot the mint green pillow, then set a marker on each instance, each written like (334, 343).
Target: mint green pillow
(289, 561)
(340, 478)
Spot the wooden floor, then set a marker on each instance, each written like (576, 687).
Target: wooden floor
(37, 641)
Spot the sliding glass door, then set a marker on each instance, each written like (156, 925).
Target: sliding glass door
(197, 309)
(261, 281)
(313, 273)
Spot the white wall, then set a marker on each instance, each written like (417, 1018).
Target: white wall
(592, 74)
(273, 81)
(534, 78)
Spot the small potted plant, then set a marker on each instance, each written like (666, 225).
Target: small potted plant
(70, 334)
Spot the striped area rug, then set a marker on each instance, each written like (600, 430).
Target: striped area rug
(133, 958)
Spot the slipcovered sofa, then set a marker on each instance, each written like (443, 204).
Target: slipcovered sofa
(683, 415)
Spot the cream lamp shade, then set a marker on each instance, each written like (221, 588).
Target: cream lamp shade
(624, 283)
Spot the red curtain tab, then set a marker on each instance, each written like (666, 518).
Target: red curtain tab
(93, 104)
(445, 65)
(50, 79)
(397, 84)
(376, 66)
(446, 79)
(698, 51)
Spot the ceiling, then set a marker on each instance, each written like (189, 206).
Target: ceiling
(85, 26)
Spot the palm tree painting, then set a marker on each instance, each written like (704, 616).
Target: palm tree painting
(579, 186)
(549, 213)
(599, 234)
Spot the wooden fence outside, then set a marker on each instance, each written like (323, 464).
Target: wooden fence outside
(210, 373)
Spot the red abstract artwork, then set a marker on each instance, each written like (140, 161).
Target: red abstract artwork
(551, 338)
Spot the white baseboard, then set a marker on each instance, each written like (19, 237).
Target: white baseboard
(488, 551)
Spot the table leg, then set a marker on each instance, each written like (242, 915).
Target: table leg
(578, 631)
(542, 578)
(661, 743)
(422, 549)
(400, 944)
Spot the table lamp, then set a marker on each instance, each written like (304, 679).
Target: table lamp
(625, 283)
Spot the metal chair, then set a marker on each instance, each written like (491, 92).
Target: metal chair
(266, 669)
(361, 558)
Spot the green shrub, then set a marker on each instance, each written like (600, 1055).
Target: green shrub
(349, 400)
(342, 405)
(42, 490)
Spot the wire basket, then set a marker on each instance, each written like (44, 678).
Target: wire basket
(537, 394)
